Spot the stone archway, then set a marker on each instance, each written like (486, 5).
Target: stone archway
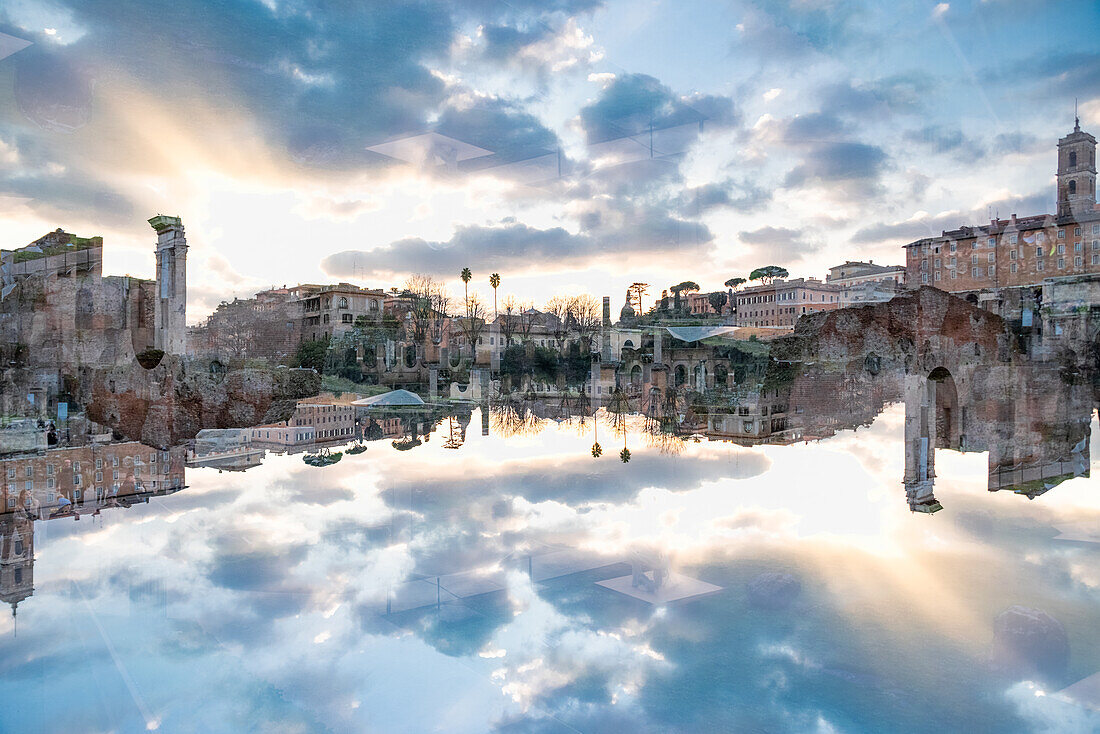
(943, 400)
(680, 375)
(636, 375)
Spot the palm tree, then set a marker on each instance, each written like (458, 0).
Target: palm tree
(466, 275)
(494, 281)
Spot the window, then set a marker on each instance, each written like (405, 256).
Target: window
(952, 274)
(1038, 252)
(1096, 244)
(953, 246)
(1077, 261)
(49, 469)
(1073, 159)
(1072, 188)
(992, 257)
(937, 275)
(99, 476)
(76, 480)
(1012, 267)
(345, 318)
(1096, 258)
(76, 467)
(11, 472)
(99, 463)
(1078, 246)
(343, 302)
(974, 259)
(992, 270)
(937, 262)
(924, 276)
(30, 472)
(1076, 231)
(992, 242)
(49, 483)
(952, 263)
(1012, 239)
(1096, 228)
(1061, 249)
(977, 272)
(1038, 264)
(1061, 234)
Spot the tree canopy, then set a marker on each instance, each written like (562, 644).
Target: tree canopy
(734, 282)
(687, 285)
(768, 273)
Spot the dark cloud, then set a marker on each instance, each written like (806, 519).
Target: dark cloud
(743, 197)
(500, 126)
(618, 227)
(633, 103)
(856, 167)
(1052, 76)
(902, 232)
(882, 98)
(779, 244)
(948, 140)
(814, 127)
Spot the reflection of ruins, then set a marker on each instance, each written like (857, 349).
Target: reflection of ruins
(73, 483)
(1032, 419)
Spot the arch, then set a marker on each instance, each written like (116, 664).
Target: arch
(972, 299)
(1073, 159)
(943, 399)
(343, 302)
(1072, 187)
(680, 375)
(721, 374)
(636, 375)
(410, 356)
(628, 344)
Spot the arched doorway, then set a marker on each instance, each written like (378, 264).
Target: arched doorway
(943, 398)
(636, 375)
(681, 375)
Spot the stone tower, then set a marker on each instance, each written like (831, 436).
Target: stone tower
(170, 328)
(1076, 172)
(16, 559)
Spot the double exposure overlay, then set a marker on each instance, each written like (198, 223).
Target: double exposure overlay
(536, 367)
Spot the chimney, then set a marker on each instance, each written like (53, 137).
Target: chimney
(1013, 219)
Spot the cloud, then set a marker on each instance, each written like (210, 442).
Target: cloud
(633, 103)
(927, 225)
(857, 167)
(611, 228)
(738, 196)
(779, 244)
(948, 140)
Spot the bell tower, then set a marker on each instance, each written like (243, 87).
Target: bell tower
(1076, 172)
(170, 329)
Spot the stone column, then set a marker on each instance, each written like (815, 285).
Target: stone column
(658, 346)
(605, 330)
(433, 383)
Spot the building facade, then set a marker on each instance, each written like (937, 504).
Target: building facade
(332, 310)
(782, 302)
(1020, 252)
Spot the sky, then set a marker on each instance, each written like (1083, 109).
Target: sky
(599, 142)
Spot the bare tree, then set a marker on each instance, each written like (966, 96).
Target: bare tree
(526, 320)
(428, 307)
(509, 319)
(587, 314)
(473, 324)
(558, 308)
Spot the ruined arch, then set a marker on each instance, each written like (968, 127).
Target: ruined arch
(943, 400)
(679, 375)
(636, 375)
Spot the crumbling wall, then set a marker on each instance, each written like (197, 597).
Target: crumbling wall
(179, 397)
